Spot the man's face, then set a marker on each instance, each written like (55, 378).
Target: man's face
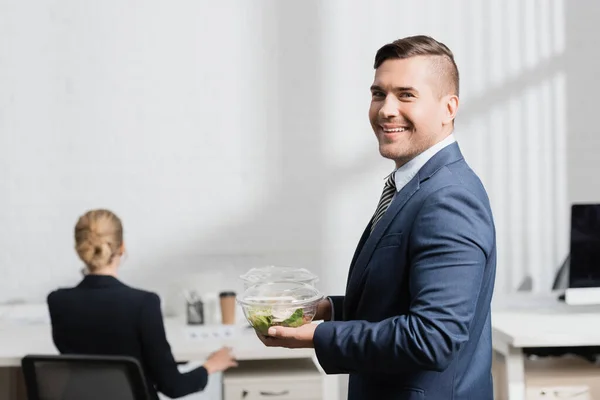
(408, 112)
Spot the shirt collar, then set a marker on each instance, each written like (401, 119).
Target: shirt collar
(97, 281)
(405, 173)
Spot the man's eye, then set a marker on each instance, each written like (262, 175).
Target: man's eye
(406, 94)
(378, 94)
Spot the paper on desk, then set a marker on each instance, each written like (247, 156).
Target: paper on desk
(208, 332)
(27, 314)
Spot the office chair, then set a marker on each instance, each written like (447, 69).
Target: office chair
(83, 377)
(561, 280)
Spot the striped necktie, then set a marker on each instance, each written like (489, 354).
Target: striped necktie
(386, 198)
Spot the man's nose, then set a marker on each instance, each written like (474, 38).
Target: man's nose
(390, 108)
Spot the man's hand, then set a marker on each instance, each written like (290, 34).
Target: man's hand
(291, 338)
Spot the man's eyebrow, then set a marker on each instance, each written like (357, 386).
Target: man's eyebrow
(395, 89)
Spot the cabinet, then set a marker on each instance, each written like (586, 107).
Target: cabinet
(274, 380)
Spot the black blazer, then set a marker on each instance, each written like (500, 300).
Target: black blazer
(103, 316)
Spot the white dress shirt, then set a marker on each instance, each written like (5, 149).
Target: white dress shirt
(405, 173)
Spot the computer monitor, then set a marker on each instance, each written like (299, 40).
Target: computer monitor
(584, 270)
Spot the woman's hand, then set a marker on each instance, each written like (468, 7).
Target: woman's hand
(220, 360)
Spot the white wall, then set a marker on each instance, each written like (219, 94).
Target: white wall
(167, 113)
(231, 134)
(235, 133)
(582, 63)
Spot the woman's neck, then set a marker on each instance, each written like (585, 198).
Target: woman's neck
(110, 270)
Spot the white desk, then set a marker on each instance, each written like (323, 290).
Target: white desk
(525, 320)
(25, 329)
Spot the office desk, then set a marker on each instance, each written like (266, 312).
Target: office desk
(529, 320)
(18, 340)
(25, 329)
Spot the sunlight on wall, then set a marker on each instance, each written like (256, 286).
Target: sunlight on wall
(511, 123)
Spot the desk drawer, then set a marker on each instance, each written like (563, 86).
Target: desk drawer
(271, 389)
(273, 380)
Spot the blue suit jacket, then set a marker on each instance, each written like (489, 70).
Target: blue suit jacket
(415, 320)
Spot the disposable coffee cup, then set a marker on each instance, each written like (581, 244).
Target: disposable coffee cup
(227, 301)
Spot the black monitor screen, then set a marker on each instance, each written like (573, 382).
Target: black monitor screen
(584, 270)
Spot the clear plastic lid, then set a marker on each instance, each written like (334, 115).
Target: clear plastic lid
(273, 273)
(293, 294)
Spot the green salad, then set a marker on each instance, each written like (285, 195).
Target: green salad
(262, 319)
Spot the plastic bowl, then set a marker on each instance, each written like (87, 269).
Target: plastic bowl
(289, 304)
(278, 274)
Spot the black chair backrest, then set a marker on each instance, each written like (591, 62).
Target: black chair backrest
(83, 377)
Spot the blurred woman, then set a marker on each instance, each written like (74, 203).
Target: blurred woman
(103, 316)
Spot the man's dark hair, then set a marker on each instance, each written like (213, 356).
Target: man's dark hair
(442, 58)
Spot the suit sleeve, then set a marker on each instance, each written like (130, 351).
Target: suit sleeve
(57, 337)
(158, 357)
(450, 242)
(337, 305)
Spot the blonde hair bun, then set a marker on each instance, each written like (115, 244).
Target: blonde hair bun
(98, 238)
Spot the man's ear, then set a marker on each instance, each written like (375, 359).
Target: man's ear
(122, 249)
(450, 103)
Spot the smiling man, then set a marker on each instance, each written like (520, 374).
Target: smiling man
(415, 320)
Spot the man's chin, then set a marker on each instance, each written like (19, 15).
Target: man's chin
(393, 154)
(400, 158)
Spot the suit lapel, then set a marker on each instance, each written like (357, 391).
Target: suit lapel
(361, 243)
(368, 243)
(359, 267)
